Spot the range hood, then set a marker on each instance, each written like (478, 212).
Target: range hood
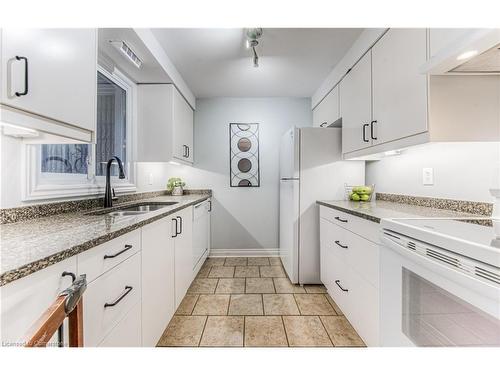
(476, 52)
(487, 62)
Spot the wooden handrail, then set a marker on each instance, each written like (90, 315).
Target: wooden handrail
(68, 304)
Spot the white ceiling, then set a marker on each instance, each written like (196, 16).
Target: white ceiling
(293, 62)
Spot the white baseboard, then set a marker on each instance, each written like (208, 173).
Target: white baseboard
(243, 253)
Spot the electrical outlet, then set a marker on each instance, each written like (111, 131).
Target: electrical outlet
(428, 176)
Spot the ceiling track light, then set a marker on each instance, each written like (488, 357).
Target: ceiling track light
(252, 42)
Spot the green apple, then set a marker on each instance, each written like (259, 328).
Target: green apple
(355, 197)
(364, 197)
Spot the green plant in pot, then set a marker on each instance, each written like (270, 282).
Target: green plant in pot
(175, 185)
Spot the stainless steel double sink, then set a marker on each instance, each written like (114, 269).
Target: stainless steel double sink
(134, 209)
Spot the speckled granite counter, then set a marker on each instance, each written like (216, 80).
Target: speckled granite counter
(379, 209)
(29, 246)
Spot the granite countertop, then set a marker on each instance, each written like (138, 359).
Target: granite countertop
(379, 209)
(29, 246)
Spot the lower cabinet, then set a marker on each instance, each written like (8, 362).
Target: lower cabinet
(24, 300)
(350, 270)
(183, 244)
(158, 269)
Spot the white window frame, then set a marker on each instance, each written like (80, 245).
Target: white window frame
(40, 186)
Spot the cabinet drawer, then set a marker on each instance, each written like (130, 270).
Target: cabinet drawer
(362, 307)
(338, 275)
(109, 298)
(127, 332)
(102, 258)
(365, 228)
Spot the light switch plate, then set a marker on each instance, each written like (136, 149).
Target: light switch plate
(428, 176)
(150, 179)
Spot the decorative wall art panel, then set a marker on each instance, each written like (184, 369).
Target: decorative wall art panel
(244, 155)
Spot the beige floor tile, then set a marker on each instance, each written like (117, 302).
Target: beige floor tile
(272, 271)
(236, 262)
(246, 304)
(264, 331)
(223, 331)
(280, 304)
(313, 289)
(246, 271)
(334, 305)
(258, 261)
(214, 262)
(275, 261)
(187, 305)
(228, 286)
(212, 304)
(204, 271)
(221, 271)
(202, 286)
(305, 331)
(314, 304)
(341, 332)
(183, 331)
(283, 285)
(259, 285)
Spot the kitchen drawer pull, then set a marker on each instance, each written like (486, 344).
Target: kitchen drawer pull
(340, 219)
(25, 92)
(371, 129)
(180, 230)
(323, 124)
(340, 286)
(128, 289)
(210, 206)
(364, 133)
(342, 246)
(73, 276)
(188, 151)
(175, 234)
(127, 247)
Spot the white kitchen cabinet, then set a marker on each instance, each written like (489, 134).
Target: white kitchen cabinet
(356, 106)
(165, 131)
(49, 80)
(24, 300)
(127, 332)
(349, 254)
(399, 90)
(328, 110)
(158, 268)
(183, 243)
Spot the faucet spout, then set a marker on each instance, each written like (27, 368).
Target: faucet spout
(108, 199)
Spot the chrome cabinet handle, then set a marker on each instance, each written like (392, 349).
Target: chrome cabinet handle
(175, 235)
(25, 92)
(127, 290)
(127, 247)
(371, 129)
(340, 286)
(340, 219)
(364, 133)
(342, 246)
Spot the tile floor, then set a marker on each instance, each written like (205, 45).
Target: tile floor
(235, 302)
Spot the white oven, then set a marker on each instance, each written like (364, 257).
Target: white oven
(433, 290)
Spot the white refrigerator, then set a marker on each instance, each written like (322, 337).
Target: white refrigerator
(311, 169)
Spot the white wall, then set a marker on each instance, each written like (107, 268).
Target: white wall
(462, 171)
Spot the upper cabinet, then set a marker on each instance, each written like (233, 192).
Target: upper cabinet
(384, 97)
(49, 81)
(328, 110)
(165, 125)
(356, 106)
(399, 91)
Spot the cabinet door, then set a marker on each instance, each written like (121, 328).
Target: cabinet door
(158, 298)
(61, 83)
(399, 90)
(355, 106)
(183, 128)
(23, 301)
(327, 111)
(183, 254)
